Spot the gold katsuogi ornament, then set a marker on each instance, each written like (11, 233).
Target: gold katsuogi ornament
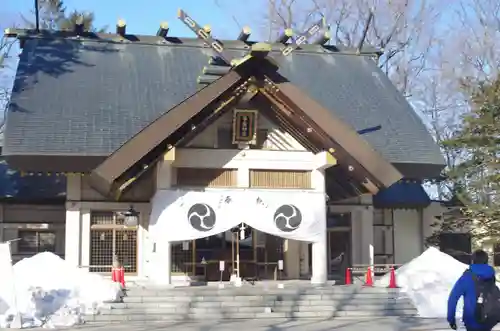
(245, 126)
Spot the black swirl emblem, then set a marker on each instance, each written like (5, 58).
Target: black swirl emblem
(201, 217)
(287, 218)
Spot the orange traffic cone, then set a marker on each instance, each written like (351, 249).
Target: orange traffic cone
(121, 276)
(118, 276)
(115, 275)
(392, 279)
(369, 277)
(348, 276)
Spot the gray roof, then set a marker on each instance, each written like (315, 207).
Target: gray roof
(89, 97)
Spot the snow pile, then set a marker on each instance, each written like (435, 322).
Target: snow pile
(50, 292)
(428, 280)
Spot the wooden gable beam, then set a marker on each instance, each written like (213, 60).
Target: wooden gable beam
(269, 110)
(344, 186)
(139, 146)
(354, 153)
(243, 93)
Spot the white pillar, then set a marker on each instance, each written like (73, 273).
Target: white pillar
(159, 256)
(72, 240)
(243, 177)
(367, 250)
(72, 234)
(161, 264)
(85, 244)
(319, 262)
(319, 249)
(168, 262)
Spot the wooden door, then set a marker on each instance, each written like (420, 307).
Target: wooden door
(339, 252)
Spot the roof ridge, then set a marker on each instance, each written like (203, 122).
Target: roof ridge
(169, 41)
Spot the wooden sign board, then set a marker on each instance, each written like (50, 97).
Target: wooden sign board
(245, 126)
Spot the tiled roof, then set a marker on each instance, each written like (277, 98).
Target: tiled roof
(86, 97)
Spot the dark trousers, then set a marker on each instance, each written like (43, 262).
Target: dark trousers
(470, 329)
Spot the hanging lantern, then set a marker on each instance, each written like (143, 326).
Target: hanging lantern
(243, 230)
(131, 217)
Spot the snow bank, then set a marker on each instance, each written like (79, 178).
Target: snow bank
(428, 280)
(51, 292)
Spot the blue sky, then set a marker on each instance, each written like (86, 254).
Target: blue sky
(145, 18)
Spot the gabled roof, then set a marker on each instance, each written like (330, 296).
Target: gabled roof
(85, 98)
(316, 123)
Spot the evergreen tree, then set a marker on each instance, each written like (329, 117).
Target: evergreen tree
(54, 16)
(88, 20)
(478, 175)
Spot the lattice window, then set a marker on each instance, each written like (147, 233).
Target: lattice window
(206, 177)
(383, 235)
(109, 237)
(182, 257)
(295, 179)
(36, 241)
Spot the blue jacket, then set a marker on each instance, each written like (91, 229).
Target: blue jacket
(465, 287)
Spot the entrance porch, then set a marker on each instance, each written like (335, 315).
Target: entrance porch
(267, 248)
(255, 257)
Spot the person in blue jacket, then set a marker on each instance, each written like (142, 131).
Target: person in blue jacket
(465, 287)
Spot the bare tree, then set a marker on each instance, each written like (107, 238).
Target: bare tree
(402, 29)
(7, 47)
(477, 38)
(470, 54)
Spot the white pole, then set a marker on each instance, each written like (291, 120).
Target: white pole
(237, 256)
(372, 259)
(371, 253)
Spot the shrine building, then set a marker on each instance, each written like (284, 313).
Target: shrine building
(174, 154)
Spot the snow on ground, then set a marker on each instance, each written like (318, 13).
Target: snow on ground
(50, 292)
(428, 280)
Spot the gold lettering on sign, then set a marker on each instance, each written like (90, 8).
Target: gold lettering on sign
(245, 126)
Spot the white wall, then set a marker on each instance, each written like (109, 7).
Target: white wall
(411, 228)
(277, 139)
(244, 159)
(408, 237)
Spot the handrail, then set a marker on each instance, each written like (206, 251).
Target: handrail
(377, 268)
(104, 266)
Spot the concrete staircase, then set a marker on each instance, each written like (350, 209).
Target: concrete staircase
(250, 302)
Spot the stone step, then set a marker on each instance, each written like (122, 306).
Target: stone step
(258, 303)
(276, 297)
(255, 309)
(318, 314)
(243, 291)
